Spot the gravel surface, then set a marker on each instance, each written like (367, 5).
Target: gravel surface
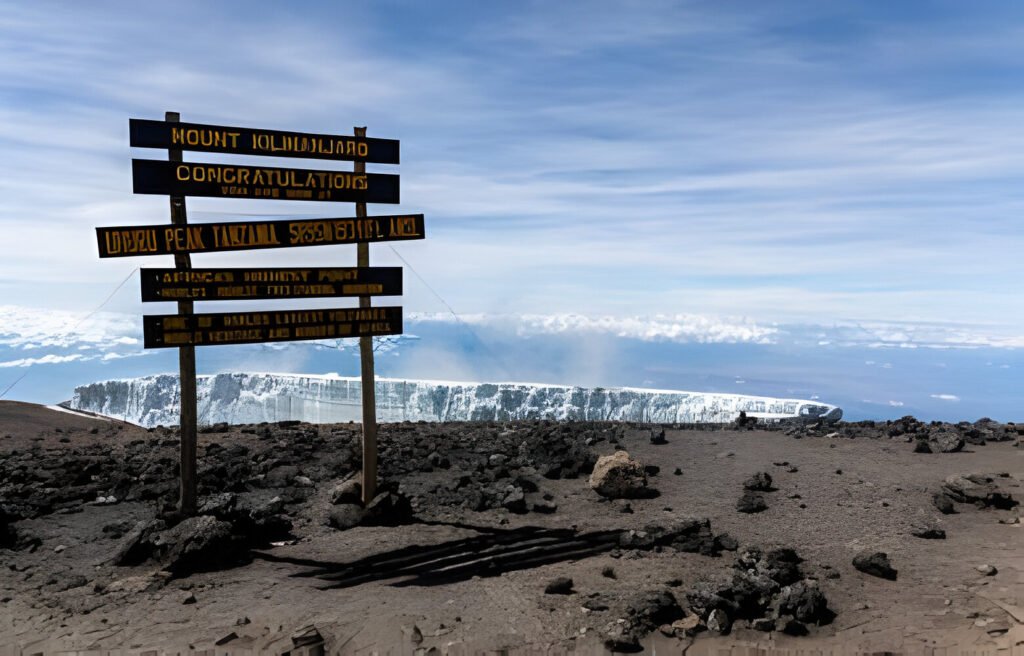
(476, 520)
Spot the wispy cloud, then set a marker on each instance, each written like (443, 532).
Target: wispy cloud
(945, 397)
(635, 166)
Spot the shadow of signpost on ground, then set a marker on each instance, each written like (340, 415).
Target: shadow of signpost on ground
(493, 552)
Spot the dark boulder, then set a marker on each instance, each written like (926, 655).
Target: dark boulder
(759, 482)
(8, 536)
(642, 612)
(561, 585)
(137, 546)
(751, 502)
(876, 564)
(805, 602)
(198, 544)
(388, 508)
(928, 532)
(977, 489)
(345, 516)
(945, 441)
(943, 503)
(350, 491)
(514, 501)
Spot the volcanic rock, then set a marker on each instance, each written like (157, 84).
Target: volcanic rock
(349, 491)
(943, 503)
(978, 489)
(561, 585)
(945, 441)
(759, 482)
(137, 546)
(345, 516)
(726, 542)
(514, 501)
(8, 536)
(718, 621)
(219, 505)
(928, 532)
(197, 544)
(751, 502)
(804, 601)
(388, 508)
(617, 476)
(875, 563)
(637, 615)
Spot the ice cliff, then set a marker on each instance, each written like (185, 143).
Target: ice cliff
(238, 398)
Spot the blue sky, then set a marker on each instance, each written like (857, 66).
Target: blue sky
(795, 166)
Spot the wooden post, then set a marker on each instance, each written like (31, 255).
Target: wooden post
(186, 362)
(368, 380)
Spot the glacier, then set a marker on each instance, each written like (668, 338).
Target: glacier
(245, 398)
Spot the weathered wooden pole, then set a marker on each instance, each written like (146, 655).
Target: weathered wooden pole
(186, 362)
(368, 380)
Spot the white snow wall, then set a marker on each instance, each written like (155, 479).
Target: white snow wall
(240, 398)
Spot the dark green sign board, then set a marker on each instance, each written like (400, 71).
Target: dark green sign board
(248, 284)
(249, 141)
(127, 241)
(172, 330)
(265, 182)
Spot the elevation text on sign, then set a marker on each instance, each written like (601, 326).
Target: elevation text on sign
(124, 241)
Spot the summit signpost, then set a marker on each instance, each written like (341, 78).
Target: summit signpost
(184, 285)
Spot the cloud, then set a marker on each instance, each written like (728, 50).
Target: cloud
(46, 359)
(945, 397)
(675, 159)
(673, 328)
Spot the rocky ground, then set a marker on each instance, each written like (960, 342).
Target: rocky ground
(528, 537)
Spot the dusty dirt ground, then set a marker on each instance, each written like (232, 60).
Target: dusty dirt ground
(834, 496)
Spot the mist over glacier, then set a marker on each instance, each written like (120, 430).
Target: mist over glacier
(871, 372)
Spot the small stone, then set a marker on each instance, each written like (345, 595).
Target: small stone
(987, 570)
(928, 533)
(677, 472)
(876, 564)
(759, 482)
(350, 491)
(561, 585)
(59, 548)
(751, 502)
(190, 598)
(608, 572)
(718, 621)
(943, 503)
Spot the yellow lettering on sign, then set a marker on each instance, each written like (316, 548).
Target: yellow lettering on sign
(174, 323)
